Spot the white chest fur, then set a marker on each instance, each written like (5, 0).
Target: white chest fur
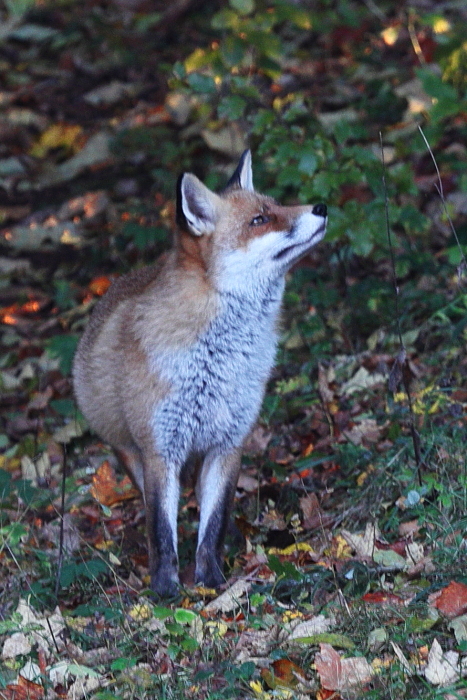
(217, 384)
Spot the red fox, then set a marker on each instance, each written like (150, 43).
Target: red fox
(173, 364)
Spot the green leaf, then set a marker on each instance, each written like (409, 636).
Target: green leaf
(80, 671)
(13, 533)
(202, 83)
(122, 663)
(308, 163)
(243, 7)
(64, 407)
(189, 644)
(333, 638)
(5, 484)
(285, 569)
(231, 108)
(184, 616)
(435, 86)
(64, 348)
(161, 613)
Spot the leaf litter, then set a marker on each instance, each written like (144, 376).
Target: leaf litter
(63, 181)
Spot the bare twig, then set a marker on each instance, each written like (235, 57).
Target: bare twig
(439, 188)
(62, 513)
(401, 361)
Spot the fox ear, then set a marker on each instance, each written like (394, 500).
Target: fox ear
(243, 175)
(197, 206)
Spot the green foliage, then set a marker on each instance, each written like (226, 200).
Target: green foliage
(73, 572)
(63, 347)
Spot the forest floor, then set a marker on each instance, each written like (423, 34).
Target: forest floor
(346, 569)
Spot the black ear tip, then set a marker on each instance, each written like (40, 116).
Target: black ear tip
(179, 215)
(235, 180)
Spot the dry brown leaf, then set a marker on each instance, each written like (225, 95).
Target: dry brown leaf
(107, 490)
(308, 628)
(16, 645)
(365, 544)
(313, 516)
(361, 381)
(450, 601)
(285, 674)
(326, 394)
(444, 668)
(232, 598)
(23, 690)
(366, 429)
(337, 673)
(257, 441)
(247, 483)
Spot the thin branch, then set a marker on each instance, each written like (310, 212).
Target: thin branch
(62, 525)
(401, 362)
(439, 188)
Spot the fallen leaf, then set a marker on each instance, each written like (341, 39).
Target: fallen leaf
(23, 690)
(286, 674)
(30, 671)
(406, 665)
(459, 625)
(57, 136)
(377, 638)
(229, 140)
(389, 558)
(364, 545)
(361, 381)
(257, 441)
(337, 673)
(232, 598)
(83, 688)
(313, 515)
(316, 625)
(99, 285)
(107, 490)
(111, 93)
(444, 668)
(326, 394)
(452, 600)
(382, 598)
(16, 645)
(67, 432)
(34, 237)
(247, 483)
(96, 152)
(366, 429)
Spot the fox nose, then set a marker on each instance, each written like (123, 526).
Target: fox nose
(320, 210)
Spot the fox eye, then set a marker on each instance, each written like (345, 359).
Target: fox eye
(259, 220)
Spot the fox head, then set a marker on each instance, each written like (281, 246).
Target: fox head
(242, 238)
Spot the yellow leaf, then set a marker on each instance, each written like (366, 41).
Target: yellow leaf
(217, 628)
(64, 136)
(104, 545)
(291, 549)
(343, 550)
(364, 475)
(291, 615)
(140, 611)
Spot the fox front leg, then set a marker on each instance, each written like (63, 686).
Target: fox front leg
(162, 490)
(215, 492)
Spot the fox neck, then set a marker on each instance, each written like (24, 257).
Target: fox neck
(196, 255)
